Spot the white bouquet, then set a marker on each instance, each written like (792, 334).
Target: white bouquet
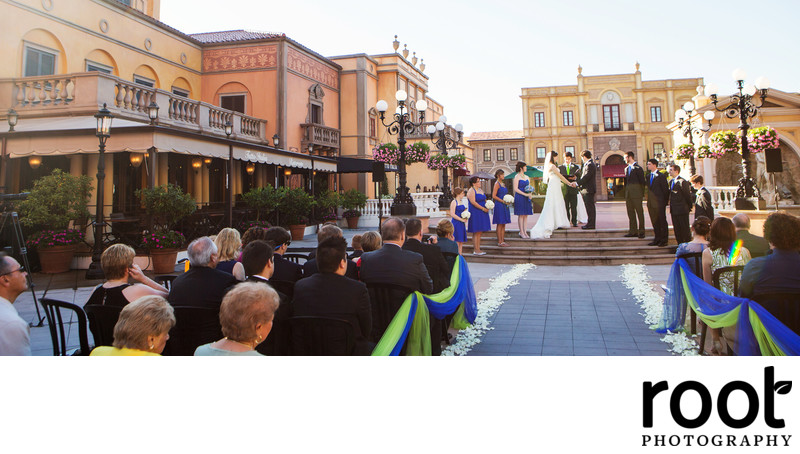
(489, 205)
(508, 199)
(465, 215)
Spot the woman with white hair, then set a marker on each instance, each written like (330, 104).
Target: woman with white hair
(142, 329)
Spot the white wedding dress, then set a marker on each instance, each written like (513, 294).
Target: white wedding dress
(554, 213)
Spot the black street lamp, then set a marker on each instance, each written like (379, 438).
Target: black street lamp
(276, 141)
(742, 106)
(103, 132)
(403, 204)
(689, 130)
(440, 136)
(229, 180)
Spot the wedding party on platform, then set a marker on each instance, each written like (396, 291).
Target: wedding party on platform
(238, 193)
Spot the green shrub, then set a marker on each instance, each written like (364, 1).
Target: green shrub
(55, 201)
(264, 200)
(167, 204)
(296, 206)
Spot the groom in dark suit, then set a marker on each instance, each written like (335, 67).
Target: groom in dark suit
(634, 195)
(571, 173)
(588, 188)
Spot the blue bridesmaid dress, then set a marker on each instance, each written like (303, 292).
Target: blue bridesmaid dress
(478, 219)
(522, 204)
(501, 213)
(460, 232)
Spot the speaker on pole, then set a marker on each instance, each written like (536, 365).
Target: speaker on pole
(378, 172)
(772, 157)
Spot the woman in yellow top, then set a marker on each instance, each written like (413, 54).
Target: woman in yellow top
(142, 329)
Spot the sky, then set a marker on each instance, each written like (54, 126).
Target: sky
(480, 54)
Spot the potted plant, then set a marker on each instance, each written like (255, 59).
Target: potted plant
(55, 201)
(295, 208)
(353, 201)
(327, 202)
(166, 205)
(264, 200)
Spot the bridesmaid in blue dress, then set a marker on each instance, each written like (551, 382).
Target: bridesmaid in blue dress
(459, 224)
(479, 215)
(522, 199)
(501, 214)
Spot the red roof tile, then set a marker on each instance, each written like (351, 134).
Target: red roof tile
(233, 35)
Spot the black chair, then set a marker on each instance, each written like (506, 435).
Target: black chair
(737, 272)
(695, 260)
(785, 306)
(194, 326)
(102, 320)
(165, 280)
(55, 321)
(450, 258)
(321, 336)
(385, 299)
(285, 287)
(296, 257)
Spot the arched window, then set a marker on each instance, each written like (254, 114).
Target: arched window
(611, 115)
(315, 105)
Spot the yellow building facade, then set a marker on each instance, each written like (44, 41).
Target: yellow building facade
(609, 115)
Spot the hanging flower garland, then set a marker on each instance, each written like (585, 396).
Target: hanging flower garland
(762, 138)
(441, 161)
(418, 152)
(704, 151)
(724, 142)
(386, 152)
(684, 151)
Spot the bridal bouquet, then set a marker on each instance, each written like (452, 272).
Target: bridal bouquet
(489, 205)
(466, 215)
(508, 199)
(529, 189)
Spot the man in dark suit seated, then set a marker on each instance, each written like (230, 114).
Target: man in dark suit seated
(392, 265)
(259, 266)
(328, 293)
(757, 245)
(284, 269)
(703, 205)
(325, 232)
(202, 285)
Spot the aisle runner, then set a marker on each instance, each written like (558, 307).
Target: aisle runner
(489, 301)
(636, 279)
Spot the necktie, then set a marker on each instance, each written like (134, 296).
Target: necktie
(672, 185)
(568, 169)
(651, 179)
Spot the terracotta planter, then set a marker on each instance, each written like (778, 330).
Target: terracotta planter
(164, 260)
(298, 231)
(56, 259)
(352, 223)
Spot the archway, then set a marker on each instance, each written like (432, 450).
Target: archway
(612, 169)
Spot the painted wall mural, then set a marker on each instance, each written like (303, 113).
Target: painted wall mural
(240, 59)
(313, 69)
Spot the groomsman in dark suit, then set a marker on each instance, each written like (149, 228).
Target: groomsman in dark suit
(657, 200)
(588, 188)
(571, 173)
(680, 204)
(634, 195)
(702, 198)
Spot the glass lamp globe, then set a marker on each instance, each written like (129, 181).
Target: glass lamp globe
(749, 89)
(401, 95)
(762, 83)
(431, 129)
(681, 114)
(440, 126)
(739, 74)
(709, 115)
(382, 106)
(442, 118)
(711, 89)
(688, 106)
(459, 127)
(422, 105)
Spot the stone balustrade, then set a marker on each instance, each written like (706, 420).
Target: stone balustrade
(722, 197)
(43, 90)
(427, 204)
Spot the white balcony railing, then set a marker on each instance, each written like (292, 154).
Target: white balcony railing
(722, 197)
(427, 204)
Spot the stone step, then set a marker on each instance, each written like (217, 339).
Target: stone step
(574, 232)
(573, 242)
(589, 260)
(543, 251)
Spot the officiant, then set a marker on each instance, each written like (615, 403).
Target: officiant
(571, 172)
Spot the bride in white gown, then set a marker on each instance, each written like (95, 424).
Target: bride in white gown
(554, 213)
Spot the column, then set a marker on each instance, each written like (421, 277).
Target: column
(206, 178)
(163, 169)
(197, 186)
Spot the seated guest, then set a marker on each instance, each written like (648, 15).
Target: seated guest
(284, 269)
(118, 267)
(202, 285)
(445, 241)
(329, 293)
(325, 232)
(259, 265)
(15, 338)
(252, 234)
(357, 251)
(246, 317)
(776, 272)
(142, 329)
(393, 265)
(700, 229)
(757, 245)
(370, 241)
(431, 255)
(702, 198)
(229, 246)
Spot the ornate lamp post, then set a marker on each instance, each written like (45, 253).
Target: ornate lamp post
(444, 142)
(152, 112)
(743, 106)
(103, 132)
(403, 204)
(229, 180)
(689, 130)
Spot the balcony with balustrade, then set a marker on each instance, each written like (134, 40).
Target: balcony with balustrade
(320, 140)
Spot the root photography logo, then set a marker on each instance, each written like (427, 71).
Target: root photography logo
(659, 398)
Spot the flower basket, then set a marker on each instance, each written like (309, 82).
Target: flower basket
(386, 152)
(417, 152)
(704, 151)
(724, 142)
(762, 138)
(441, 161)
(55, 248)
(685, 151)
